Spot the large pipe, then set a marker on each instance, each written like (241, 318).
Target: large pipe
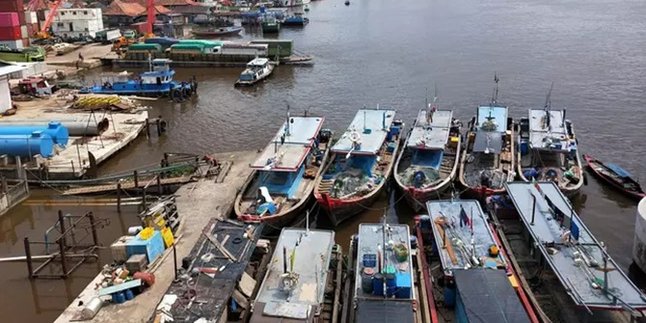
(54, 129)
(78, 127)
(27, 145)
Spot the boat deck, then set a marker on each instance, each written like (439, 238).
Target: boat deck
(304, 255)
(463, 236)
(369, 128)
(430, 132)
(578, 260)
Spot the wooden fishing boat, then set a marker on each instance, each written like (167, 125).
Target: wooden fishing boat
(304, 265)
(429, 160)
(360, 163)
(573, 276)
(218, 32)
(460, 252)
(384, 278)
(547, 149)
(616, 176)
(285, 174)
(257, 70)
(488, 159)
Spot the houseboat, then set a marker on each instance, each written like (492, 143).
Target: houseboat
(461, 254)
(257, 70)
(488, 158)
(547, 149)
(158, 81)
(297, 277)
(384, 275)
(360, 163)
(429, 160)
(285, 174)
(572, 274)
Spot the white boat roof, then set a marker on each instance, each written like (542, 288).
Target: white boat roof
(430, 134)
(258, 61)
(312, 252)
(547, 229)
(371, 125)
(498, 115)
(289, 155)
(460, 233)
(544, 136)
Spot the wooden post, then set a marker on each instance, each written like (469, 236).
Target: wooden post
(159, 130)
(73, 172)
(119, 197)
(147, 128)
(62, 225)
(61, 246)
(136, 179)
(28, 256)
(4, 187)
(95, 237)
(159, 186)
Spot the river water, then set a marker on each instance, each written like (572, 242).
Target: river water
(389, 53)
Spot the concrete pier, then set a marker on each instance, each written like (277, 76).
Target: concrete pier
(197, 203)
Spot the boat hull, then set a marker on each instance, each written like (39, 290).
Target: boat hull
(217, 33)
(341, 210)
(417, 199)
(632, 194)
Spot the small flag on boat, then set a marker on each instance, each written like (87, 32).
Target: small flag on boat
(464, 218)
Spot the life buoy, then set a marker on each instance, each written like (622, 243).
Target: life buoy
(355, 137)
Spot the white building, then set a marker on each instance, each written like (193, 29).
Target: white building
(77, 22)
(5, 95)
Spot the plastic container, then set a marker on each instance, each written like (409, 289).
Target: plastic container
(128, 294)
(378, 284)
(118, 298)
(366, 281)
(370, 260)
(391, 285)
(404, 285)
(92, 307)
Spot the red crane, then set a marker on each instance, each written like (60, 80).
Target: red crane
(44, 29)
(150, 6)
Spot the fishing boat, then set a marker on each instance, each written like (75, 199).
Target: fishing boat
(218, 32)
(297, 277)
(158, 81)
(429, 160)
(462, 255)
(360, 163)
(347, 2)
(548, 149)
(257, 70)
(294, 3)
(284, 175)
(384, 275)
(488, 159)
(296, 19)
(269, 23)
(616, 176)
(573, 275)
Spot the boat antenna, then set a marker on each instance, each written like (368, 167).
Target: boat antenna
(494, 97)
(426, 98)
(287, 134)
(364, 121)
(548, 106)
(307, 222)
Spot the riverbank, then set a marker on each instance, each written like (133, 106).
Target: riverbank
(197, 204)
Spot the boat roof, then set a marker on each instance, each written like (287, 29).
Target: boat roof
(457, 230)
(372, 126)
(215, 291)
(371, 240)
(289, 155)
(546, 136)
(488, 142)
(498, 114)
(547, 229)
(311, 251)
(258, 61)
(618, 170)
(384, 311)
(433, 133)
(161, 61)
(488, 296)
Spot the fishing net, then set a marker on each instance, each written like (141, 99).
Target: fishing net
(419, 176)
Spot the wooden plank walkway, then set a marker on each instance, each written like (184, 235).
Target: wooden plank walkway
(126, 185)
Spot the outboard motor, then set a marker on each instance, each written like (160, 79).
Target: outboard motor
(325, 135)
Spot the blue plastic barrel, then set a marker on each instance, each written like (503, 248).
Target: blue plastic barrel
(391, 285)
(378, 285)
(449, 296)
(118, 298)
(129, 295)
(27, 145)
(58, 133)
(524, 147)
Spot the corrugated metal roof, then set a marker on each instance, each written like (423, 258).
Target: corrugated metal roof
(433, 133)
(547, 226)
(132, 9)
(547, 133)
(370, 126)
(310, 253)
(456, 250)
(291, 144)
(492, 116)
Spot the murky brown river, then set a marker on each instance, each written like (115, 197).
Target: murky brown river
(388, 53)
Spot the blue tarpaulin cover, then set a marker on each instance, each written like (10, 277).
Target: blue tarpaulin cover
(618, 170)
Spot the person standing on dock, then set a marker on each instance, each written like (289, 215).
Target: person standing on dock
(80, 60)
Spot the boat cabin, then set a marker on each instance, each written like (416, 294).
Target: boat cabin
(36, 86)
(160, 72)
(429, 137)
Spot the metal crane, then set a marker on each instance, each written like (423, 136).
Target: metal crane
(44, 29)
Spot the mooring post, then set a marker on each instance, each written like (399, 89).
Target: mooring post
(136, 180)
(28, 256)
(72, 162)
(147, 127)
(119, 197)
(159, 186)
(95, 237)
(175, 260)
(159, 130)
(62, 226)
(61, 246)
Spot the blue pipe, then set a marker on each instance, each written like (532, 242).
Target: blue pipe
(55, 130)
(27, 145)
